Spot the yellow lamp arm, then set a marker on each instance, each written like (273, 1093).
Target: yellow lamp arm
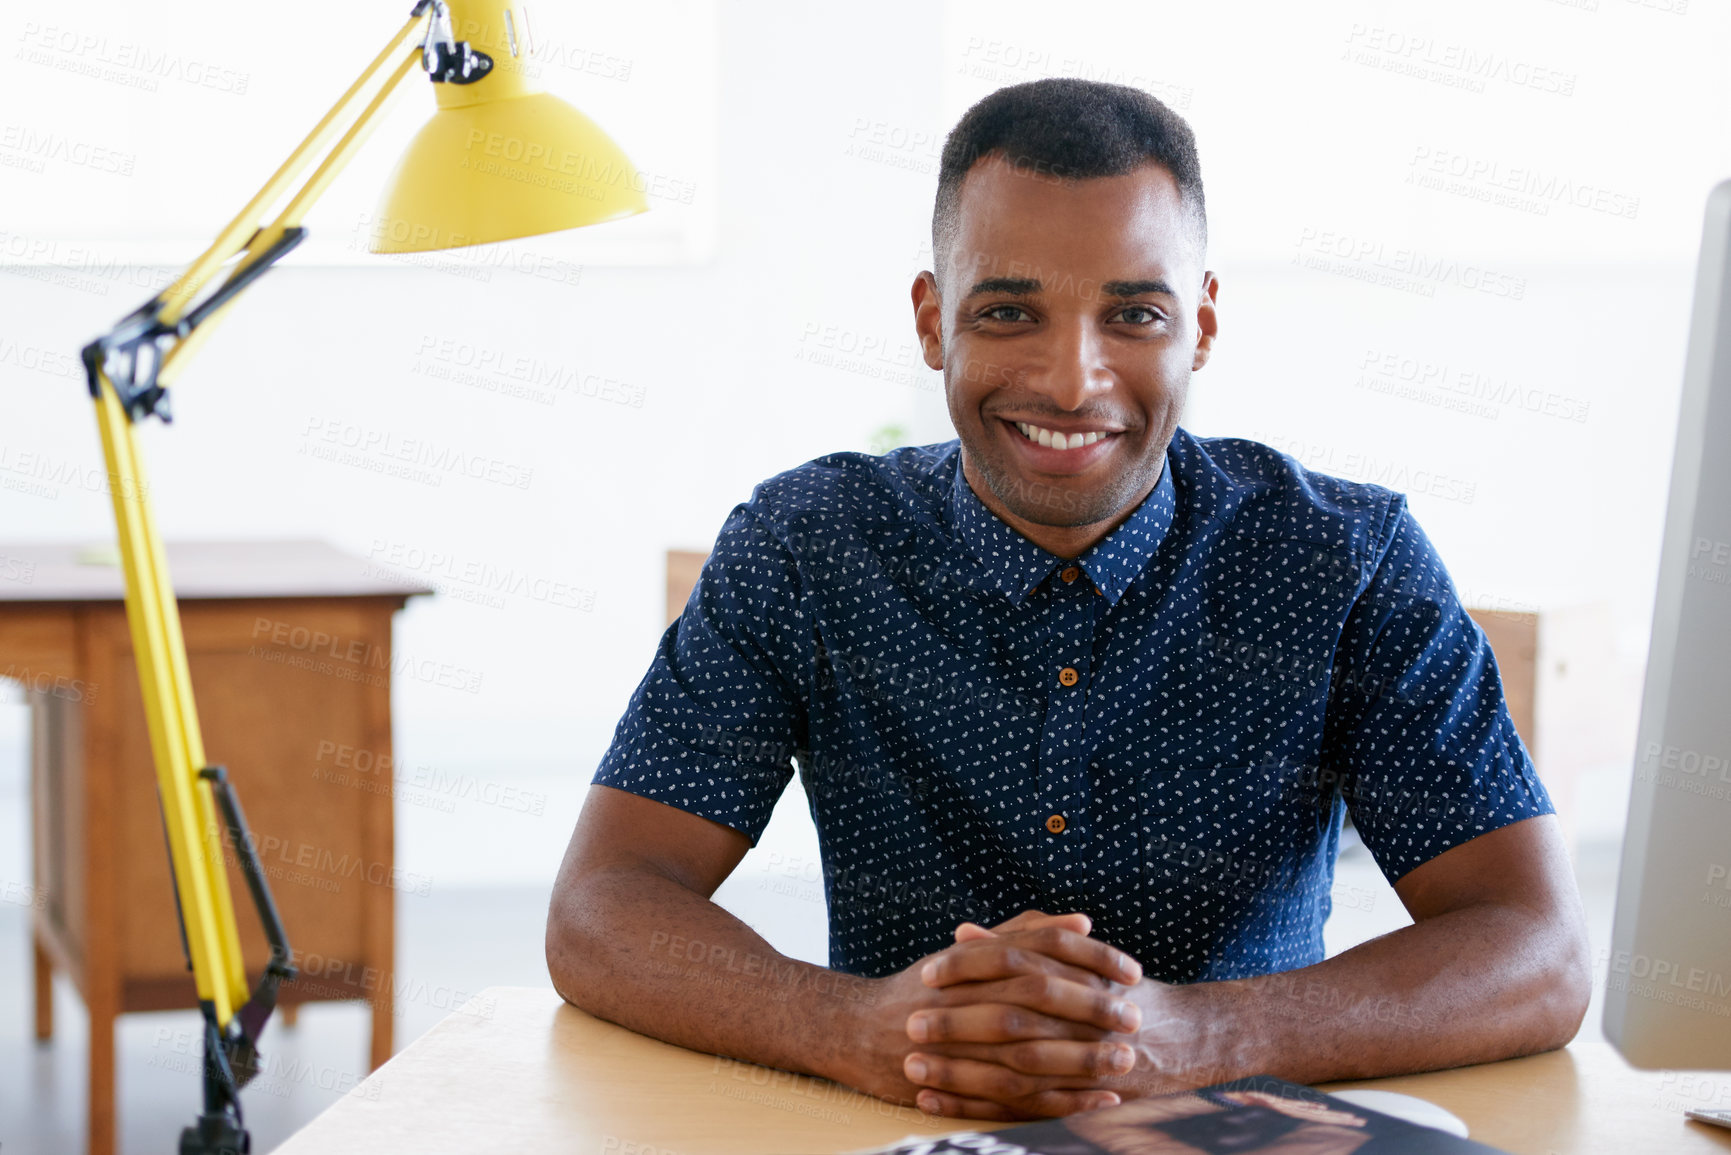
(142, 353)
(237, 235)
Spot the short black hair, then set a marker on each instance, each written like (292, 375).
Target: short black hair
(1070, 129)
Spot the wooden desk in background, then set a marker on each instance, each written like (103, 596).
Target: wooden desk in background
(517, 1070)
(289, 645)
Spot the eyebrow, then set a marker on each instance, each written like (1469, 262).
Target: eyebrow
(1028, 287)
(1136, 288)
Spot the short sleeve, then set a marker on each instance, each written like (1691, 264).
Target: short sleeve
(715, 723)
(1419, 736)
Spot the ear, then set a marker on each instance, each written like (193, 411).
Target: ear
(1207, 320)
(929, 320)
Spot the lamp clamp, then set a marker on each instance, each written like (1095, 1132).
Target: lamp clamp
(447, 59)
(231, 1058)
(133, 353)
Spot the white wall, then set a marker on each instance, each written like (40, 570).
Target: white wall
(830, 120)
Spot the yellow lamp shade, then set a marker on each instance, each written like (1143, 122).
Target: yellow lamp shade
(507, 168)
(501, 158)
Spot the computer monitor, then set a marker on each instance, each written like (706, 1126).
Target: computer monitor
(1668, 1002)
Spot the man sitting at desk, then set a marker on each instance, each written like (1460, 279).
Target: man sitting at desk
(1080, 662)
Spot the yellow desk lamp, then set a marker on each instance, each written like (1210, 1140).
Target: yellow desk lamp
(499, 159)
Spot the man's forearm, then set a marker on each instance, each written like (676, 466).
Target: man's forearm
(647, 953)
(1477, 984)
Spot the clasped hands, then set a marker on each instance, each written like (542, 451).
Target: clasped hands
(1031, 1018)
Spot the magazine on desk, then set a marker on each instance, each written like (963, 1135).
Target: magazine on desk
(1256, 1116)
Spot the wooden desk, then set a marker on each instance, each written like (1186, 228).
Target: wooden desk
(289, 645)
(518, 1070)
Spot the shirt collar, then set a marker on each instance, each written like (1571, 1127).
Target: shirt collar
(1014, 566)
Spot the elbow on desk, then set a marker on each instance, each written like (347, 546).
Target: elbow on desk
(591, 920)
(1566, 987)
(1574, 988)
(568, 949)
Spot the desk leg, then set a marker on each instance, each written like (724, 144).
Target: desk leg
(102, 972)
(384, 1018)
(379, 903)
(103, 1011)
(43, 973)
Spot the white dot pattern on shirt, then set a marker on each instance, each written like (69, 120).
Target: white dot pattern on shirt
(1268, 647)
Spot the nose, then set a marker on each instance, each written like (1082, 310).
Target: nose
(1073, 366)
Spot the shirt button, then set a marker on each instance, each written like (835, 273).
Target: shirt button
(1070, 574)
(1069, 676)
(1056, 824)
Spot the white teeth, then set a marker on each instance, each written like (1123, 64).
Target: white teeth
(1053, 440)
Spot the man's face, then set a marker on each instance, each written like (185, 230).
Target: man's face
(1067, 319)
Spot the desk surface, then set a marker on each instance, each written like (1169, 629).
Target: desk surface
(226, 569)
(517, 1070)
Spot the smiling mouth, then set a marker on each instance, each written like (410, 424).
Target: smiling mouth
(1054, 439)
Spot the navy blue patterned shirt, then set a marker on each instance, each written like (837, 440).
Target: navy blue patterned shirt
(1166, 732)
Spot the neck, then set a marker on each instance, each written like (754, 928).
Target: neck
(1066, 541)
